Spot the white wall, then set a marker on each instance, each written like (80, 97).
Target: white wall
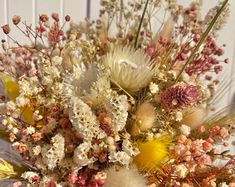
(77, 9)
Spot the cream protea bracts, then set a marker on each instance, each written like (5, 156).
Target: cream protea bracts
(131, 69)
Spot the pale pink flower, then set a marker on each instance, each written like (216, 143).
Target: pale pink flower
(223, 132)
(206, 159)
(210, 140)
(232, 184)
(180, 149)
(202, 129)
(73, 178)
(207, 146)
(182, 138)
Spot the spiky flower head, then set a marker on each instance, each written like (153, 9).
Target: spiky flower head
(131, 69)
(179, 96)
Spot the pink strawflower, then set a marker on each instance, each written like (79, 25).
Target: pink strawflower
(179, 96)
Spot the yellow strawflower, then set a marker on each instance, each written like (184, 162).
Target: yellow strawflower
(153, 153)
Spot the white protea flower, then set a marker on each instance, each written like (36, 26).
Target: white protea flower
(131, 69)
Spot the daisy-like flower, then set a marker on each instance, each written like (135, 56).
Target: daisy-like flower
(131, 69)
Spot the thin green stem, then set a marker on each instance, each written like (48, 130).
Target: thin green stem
(140, 24)
(203, 38)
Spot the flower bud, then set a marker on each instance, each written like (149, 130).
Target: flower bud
(6, 29)
(16, 20)
(67, 18)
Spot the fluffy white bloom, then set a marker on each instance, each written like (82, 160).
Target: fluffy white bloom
(129, 68)
(47, 81)
(128, 147)
(81, 155)
(30, 176)
(57, 60)
(153, 88)
(185, 130)
(181, 171)
(53, 154)
(118, 110)
(121, 157)
(15, 130)
(30, 130)
(124, 177)
(84, 120)
(36, 150)
(30, 87)
(52, 71)
(11, 106)
(22, 101)
(178, 116)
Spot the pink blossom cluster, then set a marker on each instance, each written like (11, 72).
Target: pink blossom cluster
(208, 59)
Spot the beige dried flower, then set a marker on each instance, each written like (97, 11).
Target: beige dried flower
(129, 68)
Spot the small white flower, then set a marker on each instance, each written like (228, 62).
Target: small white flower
(11, 106)
(30, 176)
(21, 101)
(185, 130)
(53, 154)
(57, 60)
(37, 150)
(121, 157)
(181, 171)
(4, 122)
(30, 130)
(178, 116)
(153, 88)
(129, 148)
(15, 130)
(37, 116)
(47, 81)
(81, 155)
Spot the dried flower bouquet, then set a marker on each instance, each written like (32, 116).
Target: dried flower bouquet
(115, 102)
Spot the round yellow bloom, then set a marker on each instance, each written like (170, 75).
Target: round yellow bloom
(153, 153)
